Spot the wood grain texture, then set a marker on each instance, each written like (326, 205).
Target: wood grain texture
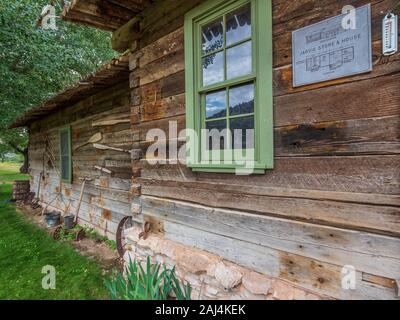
(332, 198)
(371, 253)
(312, 206)
(312, 274)
(362, 174)
(107, 198)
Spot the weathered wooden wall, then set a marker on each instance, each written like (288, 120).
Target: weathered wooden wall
(332, 198)
(107, 198)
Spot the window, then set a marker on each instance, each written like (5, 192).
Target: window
(228, 61)
(65, 155)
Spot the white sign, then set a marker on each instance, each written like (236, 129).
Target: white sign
(334, 48)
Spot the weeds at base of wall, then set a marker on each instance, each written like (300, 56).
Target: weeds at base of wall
(69, 235)
(150, 282)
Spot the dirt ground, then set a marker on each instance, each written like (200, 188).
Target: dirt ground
(98, 251)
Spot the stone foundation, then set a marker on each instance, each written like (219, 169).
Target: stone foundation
(211, 277)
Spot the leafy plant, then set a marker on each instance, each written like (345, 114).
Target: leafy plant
(149, 284)
(111, 244)
(69, 235)
(94, 235)
(65, 235)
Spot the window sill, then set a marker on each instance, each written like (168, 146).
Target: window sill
(251, 169)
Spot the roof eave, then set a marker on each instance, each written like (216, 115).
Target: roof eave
(108, 75)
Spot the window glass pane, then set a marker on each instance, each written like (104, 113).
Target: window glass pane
(242, 130)
(213, 68)
(65, 155)
(65, 167)
(241, 99)
(238, 25)
(239, 61)
(212, 36)
(216, 135)
(64, 137)
(216, 105)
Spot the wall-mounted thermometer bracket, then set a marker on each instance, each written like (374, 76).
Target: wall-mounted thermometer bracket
(390, 34)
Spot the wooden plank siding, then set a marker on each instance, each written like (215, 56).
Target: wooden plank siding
(333, 198)
(107, 199)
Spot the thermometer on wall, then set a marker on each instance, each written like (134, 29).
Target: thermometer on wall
(389, 34)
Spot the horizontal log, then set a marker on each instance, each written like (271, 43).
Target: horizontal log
(336, 138)
(168, 86)
(363, 174)
(164, 46)
(369, 98)
(332, 103)
(369, 252)
(317, 276)
(313, 206)
(161, 68)
(96, 205)
(100, 181)
(162, 109)
(163, 18)
(123, 37)
(348, 137)
(283, 34)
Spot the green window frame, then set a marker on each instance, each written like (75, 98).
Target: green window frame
(260, 77)
(65, 154)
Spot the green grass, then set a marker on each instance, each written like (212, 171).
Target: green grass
(9, 172)
(25, 249)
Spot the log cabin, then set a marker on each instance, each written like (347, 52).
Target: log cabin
(317, 216)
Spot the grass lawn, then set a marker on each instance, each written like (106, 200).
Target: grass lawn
(25, 249)
(10, 172)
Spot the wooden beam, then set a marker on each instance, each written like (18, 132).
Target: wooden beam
(125, 35)
(137, 5)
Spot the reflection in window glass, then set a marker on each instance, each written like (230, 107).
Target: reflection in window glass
(238, 25)
(213, 68)
(217, 138)
(239, 61)
(242, 131)
(65, 155)
(212, 36)
(216, 105)
(65, 167)
(64, 137)
(241, 100)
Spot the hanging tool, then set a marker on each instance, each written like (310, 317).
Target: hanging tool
(93, 139)
(50, 155)
(35, 202)
(146, 231)
(49, 152)
(81, 197)
(104, 147)
(110, 122)
(105, 170)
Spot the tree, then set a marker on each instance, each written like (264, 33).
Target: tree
(3, 151)
(36, 63)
